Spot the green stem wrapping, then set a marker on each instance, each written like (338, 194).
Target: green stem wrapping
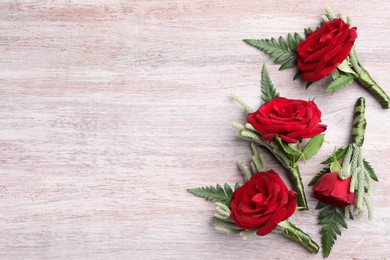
(294, 176)
(296, 181)
(359, 123)
(371, 86)
(290, 231)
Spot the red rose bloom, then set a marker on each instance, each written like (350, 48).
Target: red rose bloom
(324, 49)
(290, 119)
(334, 191)
(262, 203)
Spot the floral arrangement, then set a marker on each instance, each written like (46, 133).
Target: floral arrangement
(292, 131)
(261, 205)
(327, 50)
(280, 125)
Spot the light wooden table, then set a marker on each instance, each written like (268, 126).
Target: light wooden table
(109, 110)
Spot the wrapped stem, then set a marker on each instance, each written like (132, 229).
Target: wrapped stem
(296, 181)
(359, 123)
(294, 176)
(290, 231)
(371, 86)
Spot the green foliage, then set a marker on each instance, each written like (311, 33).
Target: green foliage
(331, 218)
(340, 82)
(267, 88)
(338, 154)
(313, 146)
(216, 194)
(288, 149)
(370, 170)
(322, 172)
(245, 106)
(284, 51)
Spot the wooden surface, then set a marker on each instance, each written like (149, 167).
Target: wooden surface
(109, 110)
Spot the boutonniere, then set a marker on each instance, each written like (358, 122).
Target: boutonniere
(343, 188)
(280, 125)
(326, 50)
(261, 205)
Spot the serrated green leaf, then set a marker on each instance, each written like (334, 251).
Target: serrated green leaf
(284, 51)
(237, 186)
(282, 58)
(267, 88)
(283, 43)
(336, 229)
(340, 219)
(340, 82)
(288, 64)
(339, 153)
(313, 146)
(228, 190)
(298, 39)
(210, 193)
(330, 218)
(291, 42)
(321, 205)
(370, 170)
(322, 172)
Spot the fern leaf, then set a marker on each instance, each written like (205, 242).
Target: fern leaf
(210, 193)
(267, 88)
(284, 51)
(370, 170)
(339, 153)
(340, 82)
(322, 172)
(330, 218)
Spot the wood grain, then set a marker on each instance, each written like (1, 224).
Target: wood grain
(109, 110)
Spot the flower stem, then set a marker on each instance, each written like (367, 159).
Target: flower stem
(371, 86)
(290, 231)
(359, 123)
(294, 176)
(367, 81)
(296, 181)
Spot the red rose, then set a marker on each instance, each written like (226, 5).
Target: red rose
(324, 49)
(334, 191)
(262, 203)
(290, 119)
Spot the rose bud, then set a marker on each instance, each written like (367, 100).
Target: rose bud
(324, 49)
(291, 120)
(262, 202)
(334, 191)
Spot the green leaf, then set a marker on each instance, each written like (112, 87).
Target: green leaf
(335, 166)
(287, 149)
(370, 170)
(322, 172)
(340, 82)
(228, 190)
(339, 153)
(288, 64)
(330, 218)
(345, 66)
(267, 88)
(237, 186)
(313, 146)
(340, 219)
(216, 194)
(284, 51)
(297, 75)
(321, 205)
